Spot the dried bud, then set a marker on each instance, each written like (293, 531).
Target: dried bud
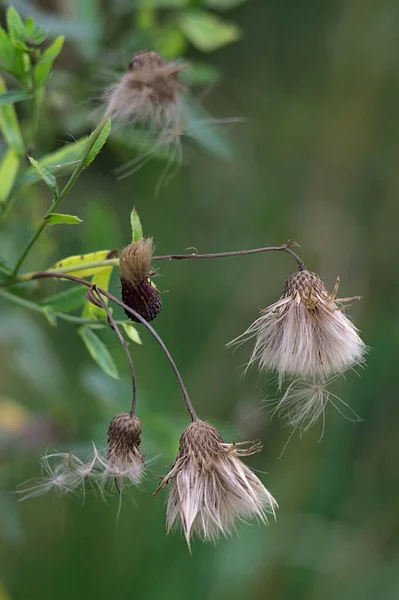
(123, 459)
(138, 291)
(148, 92)
(305, 333)
(210, 487)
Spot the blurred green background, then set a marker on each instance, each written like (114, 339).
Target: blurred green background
(316, 160)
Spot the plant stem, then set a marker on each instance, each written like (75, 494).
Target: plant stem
(64, 192)
(98, 300)
(88, 284)
(114, 262)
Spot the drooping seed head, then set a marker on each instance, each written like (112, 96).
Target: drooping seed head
(123, 458)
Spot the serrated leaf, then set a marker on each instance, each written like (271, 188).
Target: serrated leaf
(99, 143)
(66, 301)
(45, 63)
(9, 125)
(98, 351)
(14, 96)
(61, 161)
(45, 175)
(101, 279)
(60, 219)
(81, 260)
(132, 333)
(206, 31)
(50, 316)
(135, 223)
(8, 170)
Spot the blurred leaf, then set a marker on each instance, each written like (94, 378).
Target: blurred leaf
(99, 143)
(223, 4)
(132, 333)
(137, 229)
(16, 27)
(62, 161)
(8, 54)
(50, 316)
(34, 33)
(5, 270)
(45, 175)
(8, 170)
(90, 14)
(66, 301)
(206, 31)
(200, 74)
(169, 42)
(98, 351)
(82, 259)
(101, 279)
(162, 3)
(14, 96)
(45, 63)
(60, 219)
(203, 130)
(9, 125)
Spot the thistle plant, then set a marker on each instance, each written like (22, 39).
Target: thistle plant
(304, 337)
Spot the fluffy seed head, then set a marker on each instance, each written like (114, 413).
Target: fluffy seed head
(305, 333)
(148, 92)
(124, 459)
(210, 487)
(138, 291)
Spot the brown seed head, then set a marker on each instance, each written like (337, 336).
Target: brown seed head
(307, 287)
(124, 439)
(201, 442)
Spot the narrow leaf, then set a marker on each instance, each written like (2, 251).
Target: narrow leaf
(14, 96)
(206, 31)
(8, 53)
(45, 175)
(98, 351)
(9, 125)
(137, 229)
(66, 301)
(8, 171)
(60, 219)
(50, 316)
(80, 260)
(44, 65)
(15, 25)
(99, 143)
(132, 333)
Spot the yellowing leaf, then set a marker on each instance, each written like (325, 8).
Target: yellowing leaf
(132, 333)
(81, 260)
(206, 31)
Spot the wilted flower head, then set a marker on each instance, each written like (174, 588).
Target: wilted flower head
(138, 291)
(62, 472)
(148, 92)
(123, 461)
(210, 487)
(305, 333)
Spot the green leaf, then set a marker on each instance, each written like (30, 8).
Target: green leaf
(137, 229)
(60, 219)
(206, 31)
(223, 4)
(15, 26)
(99, 143)
(50, 316)
(81, 260)
(8, 54)
(9, 125)
(14, 96)
(132, 333)
(34, 32)
(66, 301)
(44, 65)
(8, 171)
(45, 175)
(98, 351)
(203, 130)
(61, 161)
(101, 279)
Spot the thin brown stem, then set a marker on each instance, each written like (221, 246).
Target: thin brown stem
(136, 315)
(98, 300)
(195, 255)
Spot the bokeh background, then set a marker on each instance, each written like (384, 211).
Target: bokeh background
(316, 160)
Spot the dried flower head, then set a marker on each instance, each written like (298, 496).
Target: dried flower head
(123, 461)
(148, 92)
(63, 473)
(138, 291)
(210, 487)
(305, 333)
